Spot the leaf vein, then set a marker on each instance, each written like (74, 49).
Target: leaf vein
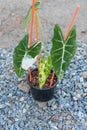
(58, 60)
(68, 52)
(56, 50)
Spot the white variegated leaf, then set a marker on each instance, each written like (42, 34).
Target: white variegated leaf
(28, 62)
(22, 53)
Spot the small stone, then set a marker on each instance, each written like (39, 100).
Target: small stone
(84, 84)
(64, 93)
(52, 126)
(55, 106)
(16, 119)
(11, 121)
(85, 90)
(44, 108)
(8, 104)
(79, 127)
(24, 87)
(68, 122)
(54, 118)
(77, 96)
(2, 106)
(80, 114)
(41, 104)
(24, 110)
(22, 99)
(11, 71)
(81, 79)
(39, 127)
(79, 85)
(1, 128)
(10, 95)
(84, 75)
(21, 124)
(73, 128)
(69, 117)
(27, 107)
(60, 125)
(51, 102)
(12, 127)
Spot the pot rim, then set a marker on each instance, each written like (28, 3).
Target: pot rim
(37, 87)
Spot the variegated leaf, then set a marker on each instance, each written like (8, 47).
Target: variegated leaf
(62, 51)
(21, 51)
(44, 70)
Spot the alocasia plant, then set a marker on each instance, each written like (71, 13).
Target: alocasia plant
(59, 58)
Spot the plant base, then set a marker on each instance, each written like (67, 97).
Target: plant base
(42, 95)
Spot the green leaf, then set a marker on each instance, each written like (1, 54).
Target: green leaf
(44, 70)
(37, 4)
(35, 49)
(62, 51)
(21, 51)
(18, 55)
(27, 18)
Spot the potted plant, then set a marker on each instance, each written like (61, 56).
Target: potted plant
(49, 68)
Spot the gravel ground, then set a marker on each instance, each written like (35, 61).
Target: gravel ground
(66, 111)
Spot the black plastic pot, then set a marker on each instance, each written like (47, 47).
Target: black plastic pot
(42, 95)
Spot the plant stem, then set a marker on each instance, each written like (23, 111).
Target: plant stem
(30, 72)
(51, 81)
(72, 21)
(42, 33)
(37, 31)
(36, 17)
(38, 62)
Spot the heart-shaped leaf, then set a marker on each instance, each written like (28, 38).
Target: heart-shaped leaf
(34, 49)
(44, 70)
(21, 51)
(62, 51)
(27, 18)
